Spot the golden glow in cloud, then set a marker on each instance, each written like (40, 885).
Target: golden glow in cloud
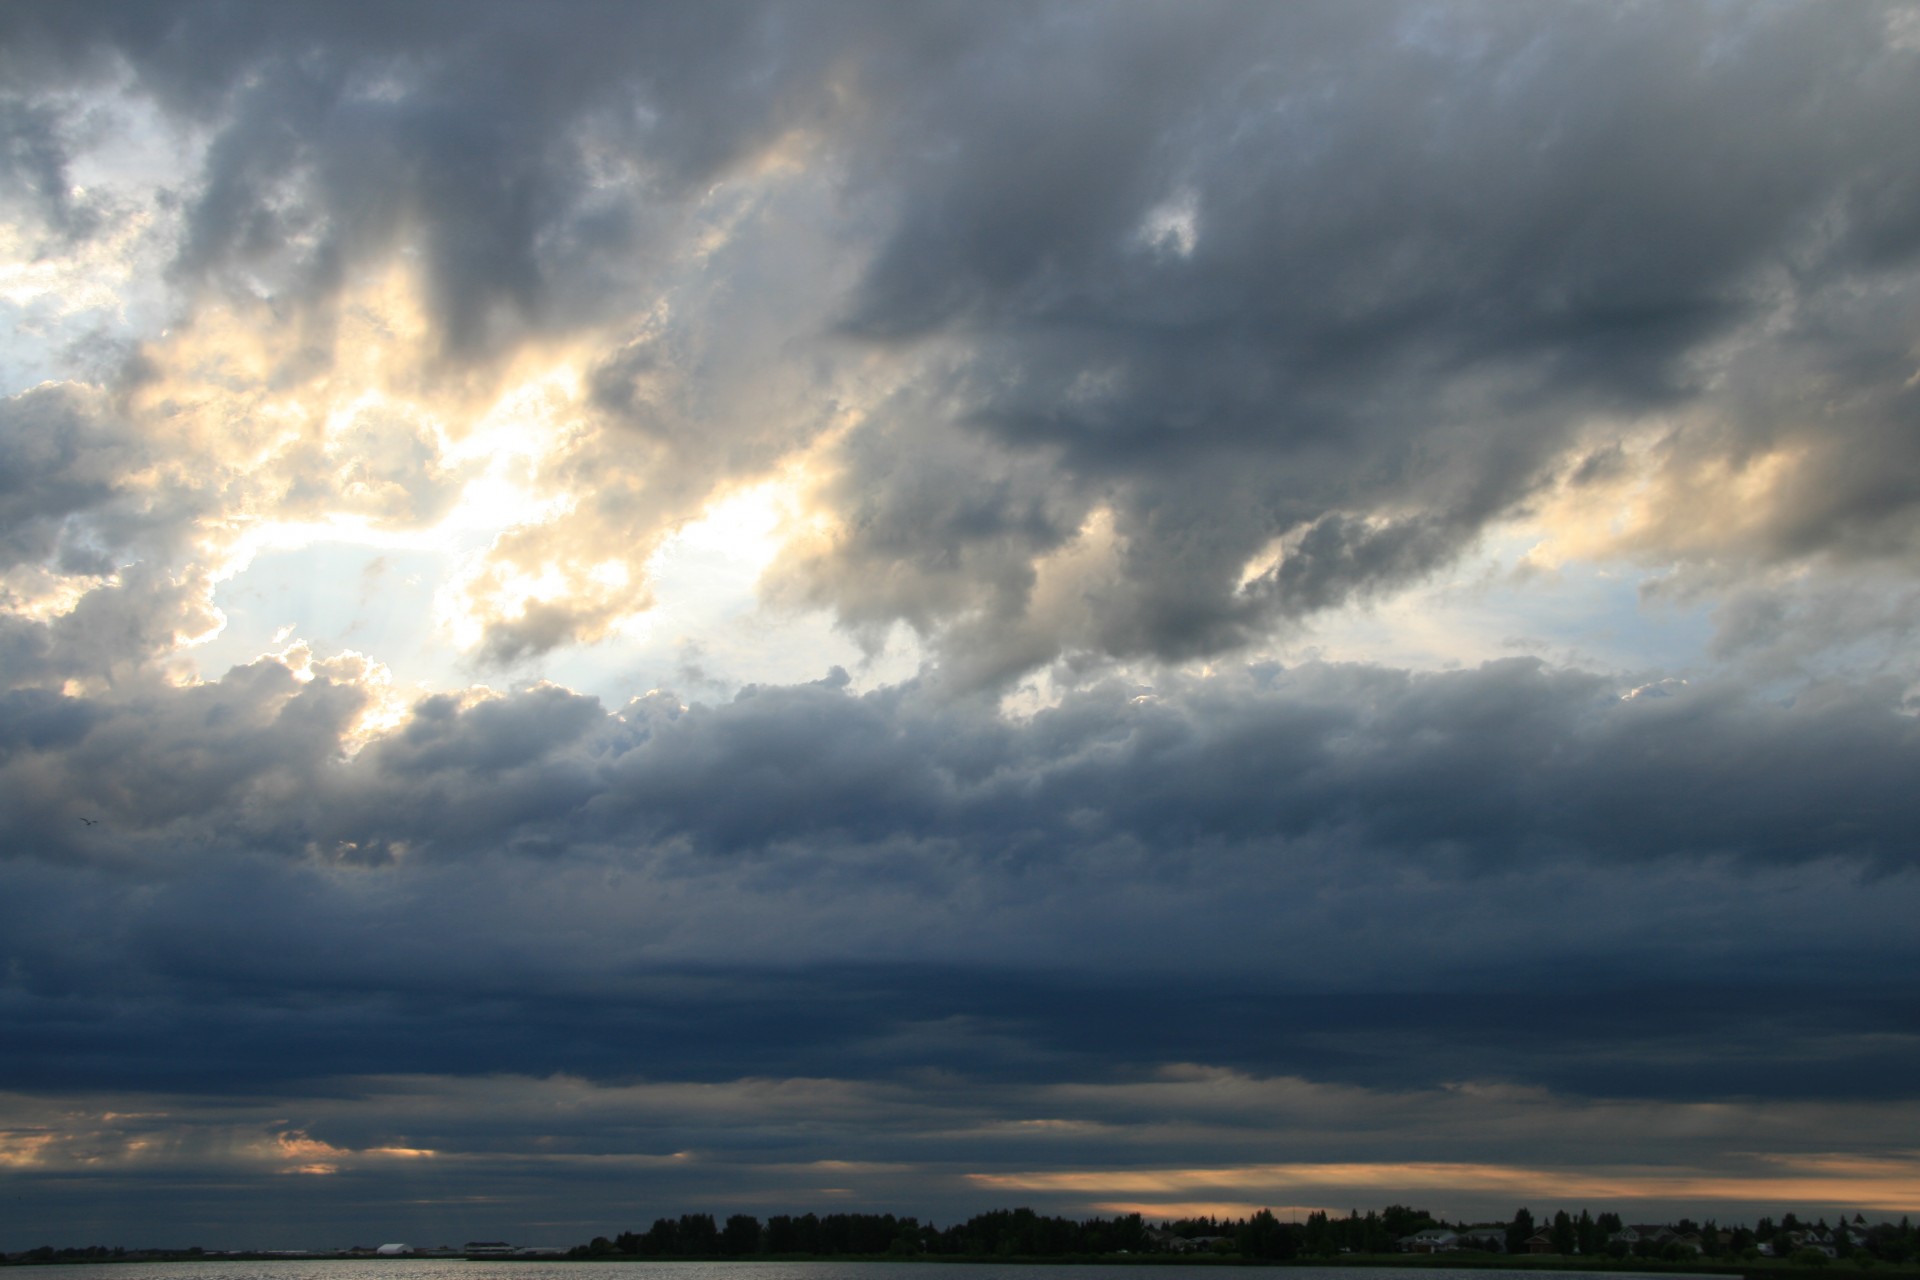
(346, 430)
(1885, 1184)
(1649, 497)
(74, 1140)
(300, 1153)
(1167, 1210)
(23, 1149)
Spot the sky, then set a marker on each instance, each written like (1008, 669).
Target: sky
(611, 610)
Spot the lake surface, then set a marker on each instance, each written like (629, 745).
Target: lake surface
(509, 1269)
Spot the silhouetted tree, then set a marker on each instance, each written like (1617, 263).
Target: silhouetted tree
(1518, 1230)
(662, 1239)
(741, 1236)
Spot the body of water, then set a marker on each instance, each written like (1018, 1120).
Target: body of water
(510, 1269)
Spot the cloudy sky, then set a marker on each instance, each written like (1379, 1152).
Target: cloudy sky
(609, 610)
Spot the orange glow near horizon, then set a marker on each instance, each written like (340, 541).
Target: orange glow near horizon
(1211, 1209)
(1886, 1184)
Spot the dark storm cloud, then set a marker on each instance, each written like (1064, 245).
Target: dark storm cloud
(1420, 252)
(34, 166)
(1478, 770)
(906, 1150)
(78, 501)
(63, 462)
(1345, 285)
(1507, 762)
(1388, 876)
(484, 136)
(187, 1020)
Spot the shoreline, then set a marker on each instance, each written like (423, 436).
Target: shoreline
(1765, 1269)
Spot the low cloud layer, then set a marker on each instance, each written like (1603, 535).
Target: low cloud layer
(1500, 768)
(755, 1144)
(1272, 836)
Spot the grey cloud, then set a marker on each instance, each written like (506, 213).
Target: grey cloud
(63, 460)
(943, 525)
(1817, 626)
(339, 133)
(1425, 249)
(196, 764)
(492, 736)
(1272, 819)
(660, 1073)
(610, 1161)
(1337, 789)
(1337, 551)
(1505, 762)
(1348, 284)
(111, 636)
(78, 500)
(1838, 396)
(1354, 876)
(542, 626)
(38, 720)
(34, 162)
(1497, 765)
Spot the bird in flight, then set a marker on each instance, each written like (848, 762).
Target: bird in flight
(92, 822)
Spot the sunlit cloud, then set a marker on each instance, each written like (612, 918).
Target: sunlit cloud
(21, 1150)
(98, 278)
(1886, 1185)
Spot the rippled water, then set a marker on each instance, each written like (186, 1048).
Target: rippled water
(512, 1269)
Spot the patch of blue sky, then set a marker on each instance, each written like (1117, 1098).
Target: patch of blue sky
(69, 305)
(336, 597)
(706, 636)
(74, 314)
(709, 633)
(1593, 615)
(27, 357)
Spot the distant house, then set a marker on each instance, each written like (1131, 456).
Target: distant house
(1790, 1242)
(1539, 1242)
(1432, 1240)
(1651, 1234)
(1181, 1244)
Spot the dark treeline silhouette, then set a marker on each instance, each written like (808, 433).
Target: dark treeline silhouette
(1002, 1233)
(1009, 1233)
(1849, 1241)
(1023, 1233)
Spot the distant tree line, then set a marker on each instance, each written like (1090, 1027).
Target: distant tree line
(1006, 1233)
(1002, 1233)
(1023, 1233)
